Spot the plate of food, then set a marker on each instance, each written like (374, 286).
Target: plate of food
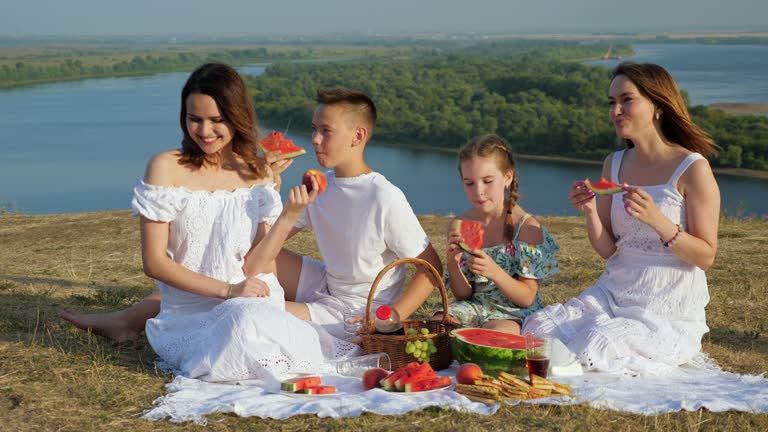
(301, 395)
(427, 386)
(421, 392)
(306, 386)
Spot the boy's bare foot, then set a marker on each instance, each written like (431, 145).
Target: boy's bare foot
(111, 325)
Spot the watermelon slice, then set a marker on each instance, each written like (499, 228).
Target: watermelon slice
(388, 383)
(471, 234)
(295, 384)
(319, 389)
(277, 143)
(490, 349)
(603, 187)
(427, 384)
(424, 371)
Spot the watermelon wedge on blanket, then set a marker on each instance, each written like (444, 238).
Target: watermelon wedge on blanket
(300, 383)
(471, 234)
(603, 187)
(427, 384)
(388, 383)
(492, 350)
(277, 143)
(319, 389)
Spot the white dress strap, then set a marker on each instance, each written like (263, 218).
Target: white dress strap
(615, 165)
(520, 224)
(691, 158)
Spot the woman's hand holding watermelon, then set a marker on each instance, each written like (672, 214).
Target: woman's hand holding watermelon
(277, 163)
(582, 199)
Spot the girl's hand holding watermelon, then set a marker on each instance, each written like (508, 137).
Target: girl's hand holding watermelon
(454, 251)
(482, 265)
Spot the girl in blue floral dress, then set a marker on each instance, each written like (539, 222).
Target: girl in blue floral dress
(497, 286)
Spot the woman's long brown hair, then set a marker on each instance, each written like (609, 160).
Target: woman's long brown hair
(656, 84)
(226, 87)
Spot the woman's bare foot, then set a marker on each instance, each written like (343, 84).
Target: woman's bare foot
(111, 325)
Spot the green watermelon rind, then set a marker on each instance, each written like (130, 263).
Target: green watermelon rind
(490, 359)
(599, 191)
(287, 155)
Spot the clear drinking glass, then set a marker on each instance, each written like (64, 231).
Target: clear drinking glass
(353, 321)
(356, 366)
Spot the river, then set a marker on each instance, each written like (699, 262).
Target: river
(80, 146)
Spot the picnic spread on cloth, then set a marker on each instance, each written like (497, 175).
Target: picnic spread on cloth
(699, 384)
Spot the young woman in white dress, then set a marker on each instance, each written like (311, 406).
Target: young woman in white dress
(646, 311)
(208, 212)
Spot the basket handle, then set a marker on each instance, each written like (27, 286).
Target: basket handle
(416, 261)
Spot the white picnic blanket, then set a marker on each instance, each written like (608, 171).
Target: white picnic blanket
(700, 385)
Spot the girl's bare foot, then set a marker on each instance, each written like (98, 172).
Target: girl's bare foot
(111, 325)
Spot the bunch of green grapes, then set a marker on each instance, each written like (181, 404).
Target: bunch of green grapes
(422, 349)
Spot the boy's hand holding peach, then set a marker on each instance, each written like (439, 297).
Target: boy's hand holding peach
(299, 198)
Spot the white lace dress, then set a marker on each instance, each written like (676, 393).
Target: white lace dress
(646, 311)
(242, 338)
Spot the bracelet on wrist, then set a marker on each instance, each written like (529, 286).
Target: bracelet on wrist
(674, 238)
(229, 291)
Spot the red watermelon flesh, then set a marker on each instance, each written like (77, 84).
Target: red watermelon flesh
(427, 384)
(603, 187)
(276, 142)
(471, 234)
(388, 383)
(299, 383)
(319, 389)
(492, 338)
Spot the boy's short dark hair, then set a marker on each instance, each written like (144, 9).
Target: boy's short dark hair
(358, 101)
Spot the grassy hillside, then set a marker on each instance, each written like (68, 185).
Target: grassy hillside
(53, 377)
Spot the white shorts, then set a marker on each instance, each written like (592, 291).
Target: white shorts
(324, 309)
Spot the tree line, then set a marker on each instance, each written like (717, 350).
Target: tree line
(22, 72)
(541, 103)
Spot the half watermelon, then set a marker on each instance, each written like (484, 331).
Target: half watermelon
(471, 234)
(275, 142)
(603, 187)
(490, 349)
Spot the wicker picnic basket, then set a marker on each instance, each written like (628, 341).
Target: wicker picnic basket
(394, 345)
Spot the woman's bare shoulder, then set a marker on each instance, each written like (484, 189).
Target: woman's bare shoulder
(164, 169)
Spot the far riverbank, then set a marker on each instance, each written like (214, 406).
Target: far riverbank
(741, 108)
(736, 172)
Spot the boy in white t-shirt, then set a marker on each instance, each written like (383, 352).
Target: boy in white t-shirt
(362, 222)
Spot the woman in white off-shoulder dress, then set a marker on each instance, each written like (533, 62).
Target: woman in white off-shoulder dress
(219, 339)
(645, 314)
(212, 224)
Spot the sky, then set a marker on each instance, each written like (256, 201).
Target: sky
(316, 17)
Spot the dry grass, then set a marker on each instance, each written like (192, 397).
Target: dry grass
(53, 377)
